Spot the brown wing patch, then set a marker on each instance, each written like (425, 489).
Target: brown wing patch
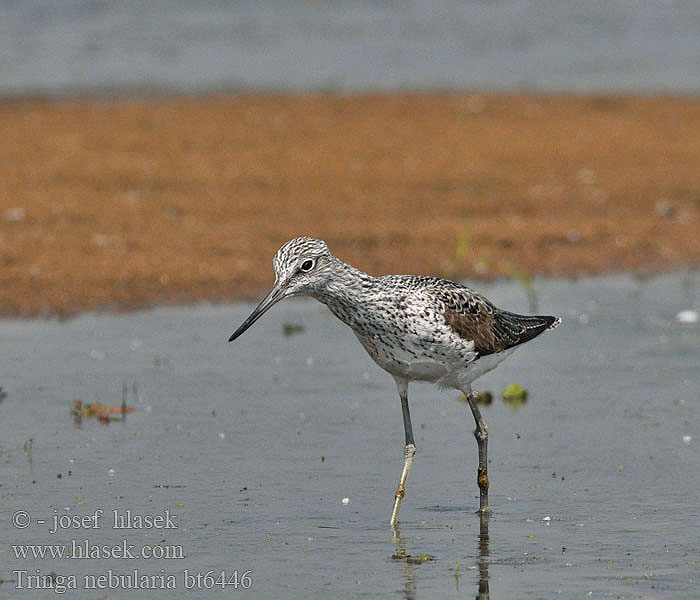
(496, 331)
(479, 328)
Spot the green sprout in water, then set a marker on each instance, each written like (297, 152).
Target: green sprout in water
(463, 245)
(525, 280)
(291, 328)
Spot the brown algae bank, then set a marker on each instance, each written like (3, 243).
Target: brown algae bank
(529, 184)
(273, 463)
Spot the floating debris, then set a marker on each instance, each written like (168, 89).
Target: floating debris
(3, 394)
(687, 439)
(484, 398)
(413, 560)
(687, 316)
(421, 558)
(514, 395)
(345, 501)
(95, 408)
(104, 413)
(291, 328)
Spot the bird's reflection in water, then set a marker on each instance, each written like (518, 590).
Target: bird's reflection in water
(483, 562)
(409, 563)
(408, 568)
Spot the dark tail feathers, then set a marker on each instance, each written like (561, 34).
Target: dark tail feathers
(530, 326)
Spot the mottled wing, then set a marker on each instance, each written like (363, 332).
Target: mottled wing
(474, 318)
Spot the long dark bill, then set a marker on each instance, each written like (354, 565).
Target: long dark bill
(275, 295)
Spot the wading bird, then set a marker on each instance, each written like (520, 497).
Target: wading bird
(415, 328)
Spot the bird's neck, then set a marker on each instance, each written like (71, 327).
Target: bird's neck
(346, 291)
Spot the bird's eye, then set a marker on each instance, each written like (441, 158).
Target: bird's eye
(307, 265)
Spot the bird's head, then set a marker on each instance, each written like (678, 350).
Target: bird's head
(302, 266)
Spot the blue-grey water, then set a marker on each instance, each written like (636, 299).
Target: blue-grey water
(252, 447)
(69, 46)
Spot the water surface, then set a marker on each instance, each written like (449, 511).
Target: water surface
(65, 46)
(253, 446)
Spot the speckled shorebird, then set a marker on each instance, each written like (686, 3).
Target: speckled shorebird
(416, 328)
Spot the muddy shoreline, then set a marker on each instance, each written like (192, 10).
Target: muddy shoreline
(126, 203)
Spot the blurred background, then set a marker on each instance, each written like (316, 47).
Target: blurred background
(177, 45)
(162, 151)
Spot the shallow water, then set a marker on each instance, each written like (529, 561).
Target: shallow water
(65, 46)
(252, 446)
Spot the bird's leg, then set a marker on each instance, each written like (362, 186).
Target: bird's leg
(481, 433)
(409, 452)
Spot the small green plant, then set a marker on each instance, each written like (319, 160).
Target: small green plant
(525, 280)
(463, 245)
(291, 328)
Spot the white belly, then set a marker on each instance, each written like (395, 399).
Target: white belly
(461, 378)
(417, 370)
(453, 369)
